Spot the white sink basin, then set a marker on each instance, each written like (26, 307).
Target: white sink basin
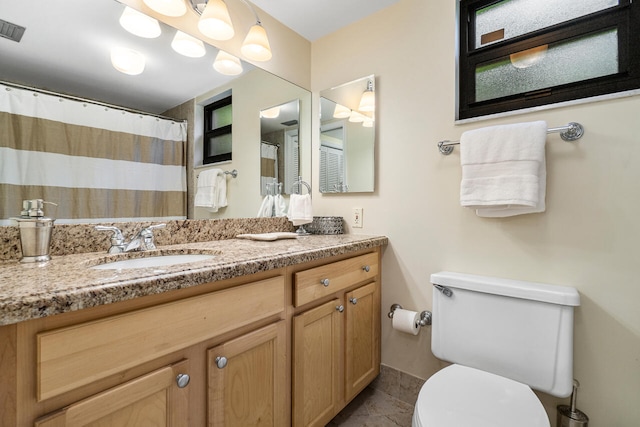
(152, 261)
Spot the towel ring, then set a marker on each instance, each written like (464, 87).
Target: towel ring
(298, 182)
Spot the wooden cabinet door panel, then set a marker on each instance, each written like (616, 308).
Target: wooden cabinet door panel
(249, 390)
(153, 399)
(317, 389)
(362, 341)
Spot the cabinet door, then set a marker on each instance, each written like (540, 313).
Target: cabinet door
(362, 340)
(154, 399)
(317, 350)
(247, 379)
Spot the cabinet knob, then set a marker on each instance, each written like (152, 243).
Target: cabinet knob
(183, 380)
(325, 282)
(366, 268)
(221, 362)
(340, 308)
(353, 300)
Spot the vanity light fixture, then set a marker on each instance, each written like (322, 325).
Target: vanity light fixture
(227, 64)
(139, 24)
(526, 58)
(215, 22)
(167, 7)
(270, 113)
(127, 61)
(356, 117)
(187, 45)
(341, 112)
(368, 99)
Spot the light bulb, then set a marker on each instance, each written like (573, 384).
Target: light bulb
(127, 61)
(227, 64)
(256, 44)
(187, 45)
(215, 21)
(139, 24)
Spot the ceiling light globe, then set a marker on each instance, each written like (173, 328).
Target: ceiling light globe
(368, 101)
(270, 113)
(215, 21)
(167, 7)
(139, 24)
(256, 45)
(127, 61)
(187, 45)
(227, 64)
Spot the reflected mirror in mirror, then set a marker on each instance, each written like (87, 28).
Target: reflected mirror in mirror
(68, 53)
(347, 137)
(279, 148)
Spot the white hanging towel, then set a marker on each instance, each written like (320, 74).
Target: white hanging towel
(300, 211)
(504, 170)
(266, 208)
(280, 206)
(211, 191)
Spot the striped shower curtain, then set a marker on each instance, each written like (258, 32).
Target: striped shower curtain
(96, 163)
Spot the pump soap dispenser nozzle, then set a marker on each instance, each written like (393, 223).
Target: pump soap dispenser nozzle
(35, 231)
(570, 416)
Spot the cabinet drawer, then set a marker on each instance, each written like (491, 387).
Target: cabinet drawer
(78, 355)
(327, 279)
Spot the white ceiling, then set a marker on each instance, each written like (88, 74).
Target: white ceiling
(314, 19)
(66, 45)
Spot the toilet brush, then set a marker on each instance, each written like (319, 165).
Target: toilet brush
(570, 416)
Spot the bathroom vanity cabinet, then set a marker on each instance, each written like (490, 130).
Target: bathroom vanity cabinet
(259, 349)
(336, 336)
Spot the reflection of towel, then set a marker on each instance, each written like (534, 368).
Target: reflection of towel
(267, 237)
(211, 190)
(300, 211)
(280, 206)
(503, 169)
(266, 208)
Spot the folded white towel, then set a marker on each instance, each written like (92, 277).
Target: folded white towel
(300, 211)
(503, 169)
(211, 190)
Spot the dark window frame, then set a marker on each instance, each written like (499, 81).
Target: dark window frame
(210, 132)
(625, 17)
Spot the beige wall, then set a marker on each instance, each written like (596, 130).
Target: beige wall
(588, 237)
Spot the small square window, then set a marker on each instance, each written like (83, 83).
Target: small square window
(518, 54)
(218, 120)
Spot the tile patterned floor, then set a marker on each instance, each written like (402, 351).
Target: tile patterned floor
(374, 408)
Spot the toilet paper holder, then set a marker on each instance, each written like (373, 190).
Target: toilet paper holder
(425, 316)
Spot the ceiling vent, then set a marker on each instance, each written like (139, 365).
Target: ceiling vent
(11, 31)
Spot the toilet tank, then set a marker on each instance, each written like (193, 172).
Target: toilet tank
(516, 329)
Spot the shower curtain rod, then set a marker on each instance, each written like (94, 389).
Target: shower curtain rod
(87, 100)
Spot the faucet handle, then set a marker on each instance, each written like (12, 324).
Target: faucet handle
(117, 239)
(146, 236)
(151, 227)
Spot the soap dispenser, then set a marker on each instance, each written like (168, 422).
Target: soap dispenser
(35, 231)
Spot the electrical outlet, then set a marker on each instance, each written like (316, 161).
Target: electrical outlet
(357, 217)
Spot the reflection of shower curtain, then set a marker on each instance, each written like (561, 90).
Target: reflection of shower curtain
(268, 165)
(94, 162)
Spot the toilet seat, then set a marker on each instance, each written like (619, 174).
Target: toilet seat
(458, 396)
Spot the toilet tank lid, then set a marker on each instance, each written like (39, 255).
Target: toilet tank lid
(554, 294)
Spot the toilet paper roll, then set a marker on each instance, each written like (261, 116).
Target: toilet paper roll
(406, 321)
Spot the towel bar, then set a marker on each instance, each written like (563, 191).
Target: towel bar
(233, 173)
(570, 132)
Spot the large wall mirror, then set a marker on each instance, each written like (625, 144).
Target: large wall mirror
(80, 33)
(347, 137)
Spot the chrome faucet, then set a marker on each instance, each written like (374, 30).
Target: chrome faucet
(142, 241)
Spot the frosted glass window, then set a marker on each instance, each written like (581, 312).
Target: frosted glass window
(565, 62)
(511, 18)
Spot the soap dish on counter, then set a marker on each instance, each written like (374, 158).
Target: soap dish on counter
(268, 237)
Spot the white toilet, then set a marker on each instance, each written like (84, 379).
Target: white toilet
(504, 337)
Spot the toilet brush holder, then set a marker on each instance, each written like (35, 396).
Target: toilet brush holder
(570, 416)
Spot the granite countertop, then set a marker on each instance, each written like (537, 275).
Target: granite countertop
(66, 283)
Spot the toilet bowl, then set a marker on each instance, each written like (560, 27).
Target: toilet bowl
(504, 338)
(458, 396)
